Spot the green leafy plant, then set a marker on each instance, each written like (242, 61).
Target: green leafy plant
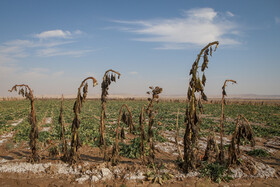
(44, 136)
(215, 171)
(132, 150)
(258, 153)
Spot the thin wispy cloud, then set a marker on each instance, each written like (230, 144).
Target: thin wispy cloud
(49, 52)
(53, 34)
(32, 43)
(195, 26)
(44, 44)
(40, 73)
(230, 14)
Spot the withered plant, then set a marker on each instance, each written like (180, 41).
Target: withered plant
(243, 131)
(25, 91)
(222, 154)
(192, 118)
(142, 135)
(109, 76)
(75, 142)
(151, 115)
(62, 132)
(212, 147)
(127, 119)
(177, 137)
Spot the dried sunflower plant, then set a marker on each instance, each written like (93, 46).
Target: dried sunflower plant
(142, 133)
(127, 119)
(222, 154)
(62, 132)
(192, 118)
(151, 115)
(75, 143)
(109, 77)
(243, 131)
(25, 91)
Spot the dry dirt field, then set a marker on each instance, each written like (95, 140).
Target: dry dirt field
(254, 169)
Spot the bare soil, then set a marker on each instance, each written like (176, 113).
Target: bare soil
(93, 171)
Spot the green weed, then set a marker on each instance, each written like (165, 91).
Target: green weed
(216, 172)
(258, 153)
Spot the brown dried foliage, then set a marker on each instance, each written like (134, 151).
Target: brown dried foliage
(192, 117)
(151, 115)
(128, 121)
(25, 91)
(62, 136)
(222, 154)
(142, 135)
(109, 76)
(75, 142)
(176, 138)
(242, 131)
(212, 149)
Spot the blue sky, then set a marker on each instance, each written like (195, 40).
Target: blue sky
(54, 45)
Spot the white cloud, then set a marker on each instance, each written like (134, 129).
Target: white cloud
(30, 44)
(12, 52)
(230, 14)
(196, 26)
(277, 20)
(53, 34)
(57, 34)
(44, 48)
(201, 13)
(49, 52)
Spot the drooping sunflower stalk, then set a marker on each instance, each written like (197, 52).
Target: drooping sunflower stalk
(109, 77)
(75, 142)
(25, 91)
(115, 153)
(192, 117)
(181, 158)
(222, 154)
(62, 132)
(142, 135)
(151, 115)
(242, 131)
